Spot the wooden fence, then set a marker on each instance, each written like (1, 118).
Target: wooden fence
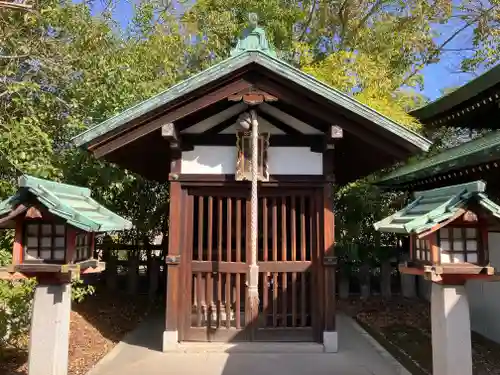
(138, 270)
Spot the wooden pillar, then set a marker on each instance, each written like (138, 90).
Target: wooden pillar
(17, 250)
(330, 338)
(171, 335)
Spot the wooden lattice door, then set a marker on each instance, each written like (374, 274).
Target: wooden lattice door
(217, 243)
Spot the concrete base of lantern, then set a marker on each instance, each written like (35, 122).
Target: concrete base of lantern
(49, 336)
(451, 337)
(170, 341)
(330, 341)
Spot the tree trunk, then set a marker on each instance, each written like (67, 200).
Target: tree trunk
(154, 275)
(408, 286)
(111, 272)
(344, 284)
(385, 278)
(133, 272)
(408, 283)
(364, 280)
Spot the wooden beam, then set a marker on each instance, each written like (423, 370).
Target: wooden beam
(220, 127)
(276, 140)
(212, 121)
(320, 111)
(169, 132)
(126, 137)
(289, 119)
(252, 96)
(287, 129)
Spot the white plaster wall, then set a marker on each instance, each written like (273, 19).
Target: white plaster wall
(222, 160)
(484, 297)
(209, 160)
(294, 160)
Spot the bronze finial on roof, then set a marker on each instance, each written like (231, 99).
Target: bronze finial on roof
(253, 38)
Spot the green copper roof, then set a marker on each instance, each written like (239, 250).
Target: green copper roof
(479, 150)
(434, 206)
(453, 103)
(252, 49)
(69, 202)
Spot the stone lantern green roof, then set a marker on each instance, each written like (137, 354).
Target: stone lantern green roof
(432, 207)
(71, 203)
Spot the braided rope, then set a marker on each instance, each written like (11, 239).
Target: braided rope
(254, 279)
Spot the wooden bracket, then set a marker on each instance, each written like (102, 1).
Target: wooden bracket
(333, 135)
(170, 133)
(173, 260)
(252, 96)
(330, 260)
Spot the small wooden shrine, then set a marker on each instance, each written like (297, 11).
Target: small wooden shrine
(54, 226)
(251, 148)
(448, 229)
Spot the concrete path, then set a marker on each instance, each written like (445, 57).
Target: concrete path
(139, 354)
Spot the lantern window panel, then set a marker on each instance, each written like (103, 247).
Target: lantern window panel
(46, 229)
(471, 245)
(82, 248)
(32, 229)
(459, 245)
(60, 230)
(45, 241)
(471, 233)
(422, 249)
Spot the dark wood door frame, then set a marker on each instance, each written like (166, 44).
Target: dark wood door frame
(227, 275)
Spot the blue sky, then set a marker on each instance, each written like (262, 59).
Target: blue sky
(436, 77)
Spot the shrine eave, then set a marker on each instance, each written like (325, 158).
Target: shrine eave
(71, 203)
(475, 154)
(180, 92)
(475, 105)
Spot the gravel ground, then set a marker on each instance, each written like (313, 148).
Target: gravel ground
(403, 327)
(97, 325)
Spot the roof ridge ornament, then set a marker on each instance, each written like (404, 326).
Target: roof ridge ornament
(253, 38)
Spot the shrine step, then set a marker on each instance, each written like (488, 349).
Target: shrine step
(248, 347)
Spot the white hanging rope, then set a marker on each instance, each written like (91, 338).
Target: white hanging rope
(253, 280)
(254, 197)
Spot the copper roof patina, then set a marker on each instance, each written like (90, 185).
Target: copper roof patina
(252, 48)
(71, 203)
(480, 150)
(432, 207)
(473, 105)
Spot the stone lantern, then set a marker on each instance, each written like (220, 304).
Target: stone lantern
(448, 229)
(54, 227)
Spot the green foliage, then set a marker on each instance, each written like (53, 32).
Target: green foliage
(79, 290)
(63, 69)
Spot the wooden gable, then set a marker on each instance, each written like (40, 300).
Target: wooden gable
(295, 108)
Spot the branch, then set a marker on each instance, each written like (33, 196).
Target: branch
(439, 49)
(343, 23)
(19, 6)
(309, 19)
(13, 57)
(370, 13)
